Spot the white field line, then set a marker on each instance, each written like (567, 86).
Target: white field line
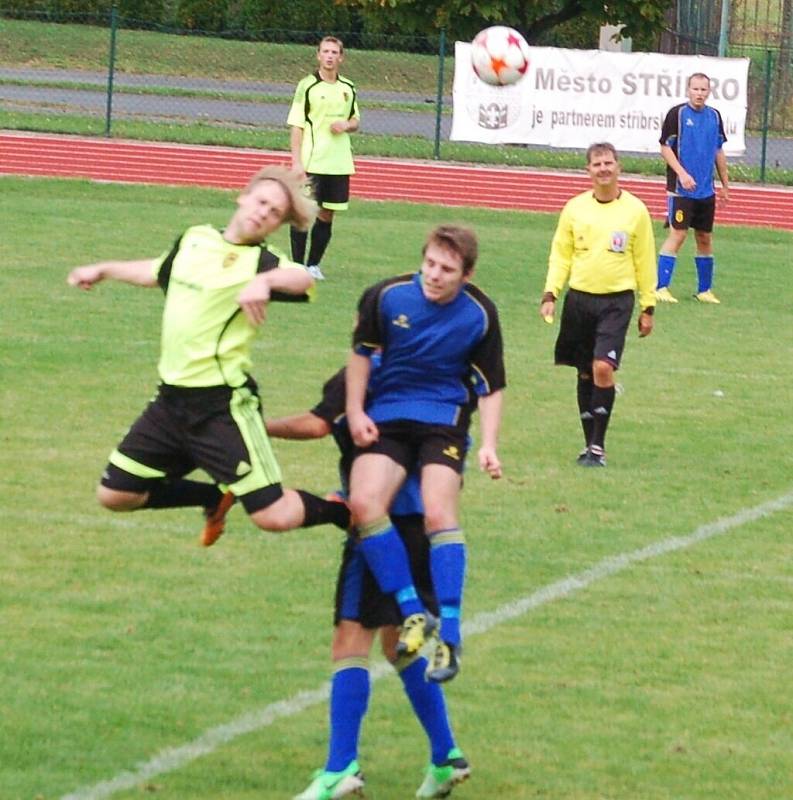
(173, 758)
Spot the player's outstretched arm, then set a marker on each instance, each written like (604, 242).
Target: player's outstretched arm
(298, 426)
(137, 273)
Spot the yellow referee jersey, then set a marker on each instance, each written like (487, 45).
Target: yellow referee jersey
(602, 248)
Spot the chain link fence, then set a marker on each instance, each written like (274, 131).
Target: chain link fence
(107, 74)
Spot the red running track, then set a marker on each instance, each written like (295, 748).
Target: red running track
(375, 179)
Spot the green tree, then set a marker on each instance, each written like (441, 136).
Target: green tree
(643, 19)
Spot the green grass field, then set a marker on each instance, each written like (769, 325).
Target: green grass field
(134, 663)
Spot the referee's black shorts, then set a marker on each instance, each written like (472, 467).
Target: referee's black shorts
(593, 326)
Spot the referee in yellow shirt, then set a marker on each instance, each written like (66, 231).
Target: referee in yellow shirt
(605, 250)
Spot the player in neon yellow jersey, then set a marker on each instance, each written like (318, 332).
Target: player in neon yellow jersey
(323, 114)
(207, 411)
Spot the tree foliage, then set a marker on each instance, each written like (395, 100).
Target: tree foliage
(642, 19)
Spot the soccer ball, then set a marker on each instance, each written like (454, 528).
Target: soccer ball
(499, 55)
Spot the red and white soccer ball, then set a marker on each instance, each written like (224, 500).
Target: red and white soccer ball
(499, 55)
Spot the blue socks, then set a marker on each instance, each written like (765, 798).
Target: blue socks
(387, 558)
(447, 567)
(429, 706)
(666, 268)
(704, 264)
(349, 699)
(704, 273)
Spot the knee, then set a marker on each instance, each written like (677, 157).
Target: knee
(115, 500)
(603, 373)
(435, 519)
(270, 520)
(365, 508)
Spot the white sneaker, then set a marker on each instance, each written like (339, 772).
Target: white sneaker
(315, 272)
(334, 785)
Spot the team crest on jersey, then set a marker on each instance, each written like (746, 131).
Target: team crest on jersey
(619, 241)
(345, 95)
(229, 260)
(452, 452)
(401, 321)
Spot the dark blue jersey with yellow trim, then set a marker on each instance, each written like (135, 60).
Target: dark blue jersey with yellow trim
(432, 353)
(695, 137)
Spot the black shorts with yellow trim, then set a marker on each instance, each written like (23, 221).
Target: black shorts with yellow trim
(690, 212)
(358, 597)
(331, 191)
(414, 444)
(219, 429)
(593, 326)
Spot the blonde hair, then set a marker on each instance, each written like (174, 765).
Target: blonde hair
(302, 208)
(332, 40)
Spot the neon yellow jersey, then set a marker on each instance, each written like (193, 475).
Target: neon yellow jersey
(317, 104)
(602, 248)
(206, 338)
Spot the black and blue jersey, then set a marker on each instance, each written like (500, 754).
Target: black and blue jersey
(695, 137)
(433, 354)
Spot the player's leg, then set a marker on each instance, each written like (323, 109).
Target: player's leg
(584, 389)
(349, 699)
(440, 492)
(321, 232)
(234, 448)
(374, 480)
(678, 220)
(298, 239)
(146, 469)
(613, 317)
(704, 261)
(426, 698)
(574, 348)
(447, 766)
(333, 194)
(603, 394)
(359, 608)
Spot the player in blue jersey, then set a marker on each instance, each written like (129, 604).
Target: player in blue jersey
(362, 611)
(439, 335)
(691, 143)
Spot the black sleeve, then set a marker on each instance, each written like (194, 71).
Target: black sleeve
(268, 261)
(331, 406)
(368, 331)
(670, 126)
(721, 126)
(488, 374)
(164, 274)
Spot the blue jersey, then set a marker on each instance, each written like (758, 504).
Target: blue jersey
(695, 137)
(432, 353)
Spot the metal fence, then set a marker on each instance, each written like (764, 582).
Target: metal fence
(223, 89)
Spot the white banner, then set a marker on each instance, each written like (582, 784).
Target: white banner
(571, 98)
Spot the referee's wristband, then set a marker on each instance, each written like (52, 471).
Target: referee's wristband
(649, 310)
(548, 298)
